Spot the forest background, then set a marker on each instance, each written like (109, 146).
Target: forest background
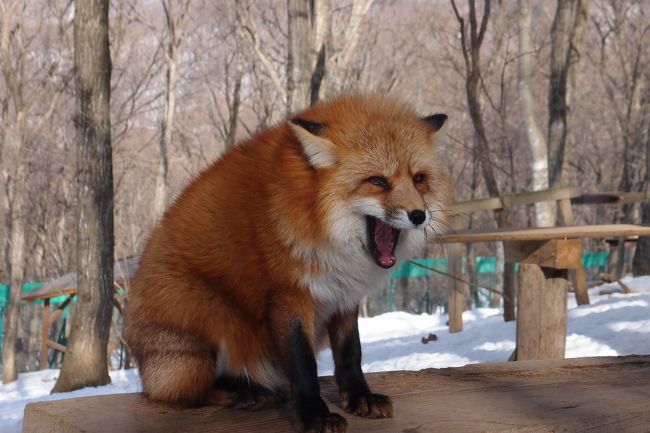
(538, 94)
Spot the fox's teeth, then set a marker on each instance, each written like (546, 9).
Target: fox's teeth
(384, 240)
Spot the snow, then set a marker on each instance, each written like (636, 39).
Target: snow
(36, 386)
(616, 324)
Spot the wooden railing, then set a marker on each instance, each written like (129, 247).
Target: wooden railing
(549, 258)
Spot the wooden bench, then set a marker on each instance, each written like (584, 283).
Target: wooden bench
(545, 256)
(66, 285)
(565, 197)
(562, 196)
(598, 395)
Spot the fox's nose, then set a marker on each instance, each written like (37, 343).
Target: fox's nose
(417, 216)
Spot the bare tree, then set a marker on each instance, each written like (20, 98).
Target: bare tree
(566, 39)
(641, 262)
(173, 20)
(233, 97)
(472, 36)
(312, 62)
(231, 80)
(23, 99)
(624, 69)
(15, 184)
(343, 46)
(298, 54)
(322, 43)
(544, 211)
(85, 362)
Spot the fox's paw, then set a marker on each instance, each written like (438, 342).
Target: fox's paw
(370, 405)
(237, 394)
(330, 423)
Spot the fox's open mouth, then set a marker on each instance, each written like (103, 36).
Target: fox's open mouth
(382, 240)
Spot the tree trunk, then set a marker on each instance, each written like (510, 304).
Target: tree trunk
(298, 54)
(15, 182)
(234, 101)
(641, 262)
(16, 253)
(471, 47)
(339, 63)
(85, 362)
(544, 211)
(566, 38)
(16, 275)
(167, 123)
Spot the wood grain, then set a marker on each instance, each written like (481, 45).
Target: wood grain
(493, 203)
(554, 253)
(542, 313)
(535, 234)
(593, 395)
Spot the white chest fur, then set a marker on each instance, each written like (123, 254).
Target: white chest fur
(349, 273)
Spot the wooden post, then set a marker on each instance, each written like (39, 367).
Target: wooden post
(566, 213)
(582, 295)
(577, 275)
(542, 315)
(45, 331)
(456, 294)
(542, 300)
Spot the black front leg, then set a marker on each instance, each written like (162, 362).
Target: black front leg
(312, 411)
(355, 395)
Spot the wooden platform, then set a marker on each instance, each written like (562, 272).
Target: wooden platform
(609, 394)
(546, 233)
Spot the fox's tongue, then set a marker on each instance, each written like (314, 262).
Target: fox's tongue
(385, 243)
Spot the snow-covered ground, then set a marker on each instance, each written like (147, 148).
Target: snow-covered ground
(616, 324)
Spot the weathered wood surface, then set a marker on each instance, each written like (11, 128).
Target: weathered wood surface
(610, 198)
(493, 203)
(542, 316)
(593, 395)
(554, 253)
(544, 233)
(456, 289)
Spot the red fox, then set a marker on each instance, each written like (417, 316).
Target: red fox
(264, 257)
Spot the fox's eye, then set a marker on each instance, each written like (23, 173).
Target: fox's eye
(419, 178)
(378, 181)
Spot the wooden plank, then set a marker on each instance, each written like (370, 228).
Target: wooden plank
(566, 213)
(37, 294)
(576, 275)
(590, 394)
(597, 198)
(554, 253)
(59, 309)
(56, 346)
(493, 203)
(67, 284)
(610, 198)
(543, 233)
(541, 313)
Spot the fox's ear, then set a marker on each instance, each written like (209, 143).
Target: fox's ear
(435, 121)
(317, 149)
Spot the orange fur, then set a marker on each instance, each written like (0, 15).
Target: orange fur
(248, 245)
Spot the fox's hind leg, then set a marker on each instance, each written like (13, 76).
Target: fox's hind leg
(175, 367)
(240, 392)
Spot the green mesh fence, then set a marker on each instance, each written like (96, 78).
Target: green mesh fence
(485, 266)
